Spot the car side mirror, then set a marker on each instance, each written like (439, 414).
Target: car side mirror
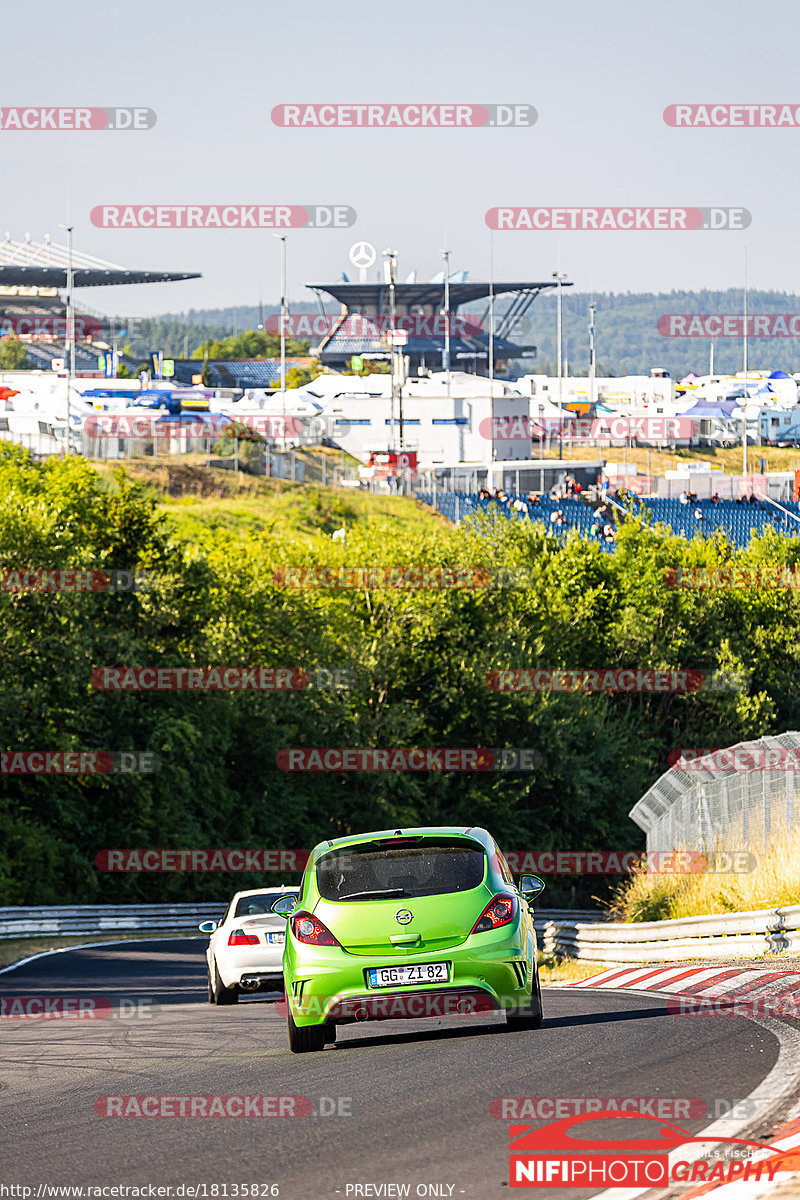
(284, 905)
(207, 926)
(531, 886)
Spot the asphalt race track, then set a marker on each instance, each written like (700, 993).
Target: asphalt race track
(402, 1102)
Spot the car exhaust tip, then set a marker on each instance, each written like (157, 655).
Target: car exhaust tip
(249, 985)
(361, 1014)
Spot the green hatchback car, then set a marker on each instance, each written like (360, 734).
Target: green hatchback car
(408, 923)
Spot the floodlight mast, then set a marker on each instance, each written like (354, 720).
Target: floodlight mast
(70, 332)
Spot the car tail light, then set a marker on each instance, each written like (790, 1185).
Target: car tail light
(499, 911)
(240, 938)
(309, 930)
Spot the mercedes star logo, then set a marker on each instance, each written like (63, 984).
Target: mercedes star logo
(363, 254)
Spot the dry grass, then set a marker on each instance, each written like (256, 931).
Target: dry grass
(731, 460)
(554, 971)
(774, 882)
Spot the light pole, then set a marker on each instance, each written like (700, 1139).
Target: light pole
(491, 342)
(592, 361)
(70, 331)
(282, 238)
(390, 266)
(446, 364)
(744, 355)
(558, 276)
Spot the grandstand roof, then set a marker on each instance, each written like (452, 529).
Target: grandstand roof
(362, 295)
(45, 264)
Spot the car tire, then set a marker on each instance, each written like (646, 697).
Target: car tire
(220, 993)
(304, 1039)
(527, 1018)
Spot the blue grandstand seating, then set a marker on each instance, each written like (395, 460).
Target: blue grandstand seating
(737, 521)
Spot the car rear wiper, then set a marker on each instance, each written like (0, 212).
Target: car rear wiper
(373, 894)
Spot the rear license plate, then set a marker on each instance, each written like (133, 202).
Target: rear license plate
(408, 975)
(276, 939)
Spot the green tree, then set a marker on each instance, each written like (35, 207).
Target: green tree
(13, 355)
(254, 343)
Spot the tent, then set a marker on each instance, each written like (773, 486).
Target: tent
(708, 408)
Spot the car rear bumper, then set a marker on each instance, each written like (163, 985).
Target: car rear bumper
(323, 982)
(412, 1005)
(261, 981)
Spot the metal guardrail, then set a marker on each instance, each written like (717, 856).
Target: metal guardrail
(105, 918)
(746, 934)
(567, 933)
(157, 918)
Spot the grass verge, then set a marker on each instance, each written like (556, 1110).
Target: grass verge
(567, 970)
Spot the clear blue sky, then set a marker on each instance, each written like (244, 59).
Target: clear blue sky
(599, 75)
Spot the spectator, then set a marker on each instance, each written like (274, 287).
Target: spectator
(484, 494)
(519, 505)
(683, 498)
(609, 533)
(752, 498)
(533, 498)
(692, 497)
(698, 514)
(557, 517)
(715, 499)
(578, 489)
(570, 485)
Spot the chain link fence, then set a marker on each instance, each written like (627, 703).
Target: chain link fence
(724, 805)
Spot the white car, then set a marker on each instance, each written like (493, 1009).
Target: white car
(245, 949)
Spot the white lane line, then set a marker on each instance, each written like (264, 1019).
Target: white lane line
(87, 946)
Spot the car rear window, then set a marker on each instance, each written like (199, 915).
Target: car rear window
(374, 871)
(256, 906)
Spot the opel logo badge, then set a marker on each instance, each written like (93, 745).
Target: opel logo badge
(403, 916)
